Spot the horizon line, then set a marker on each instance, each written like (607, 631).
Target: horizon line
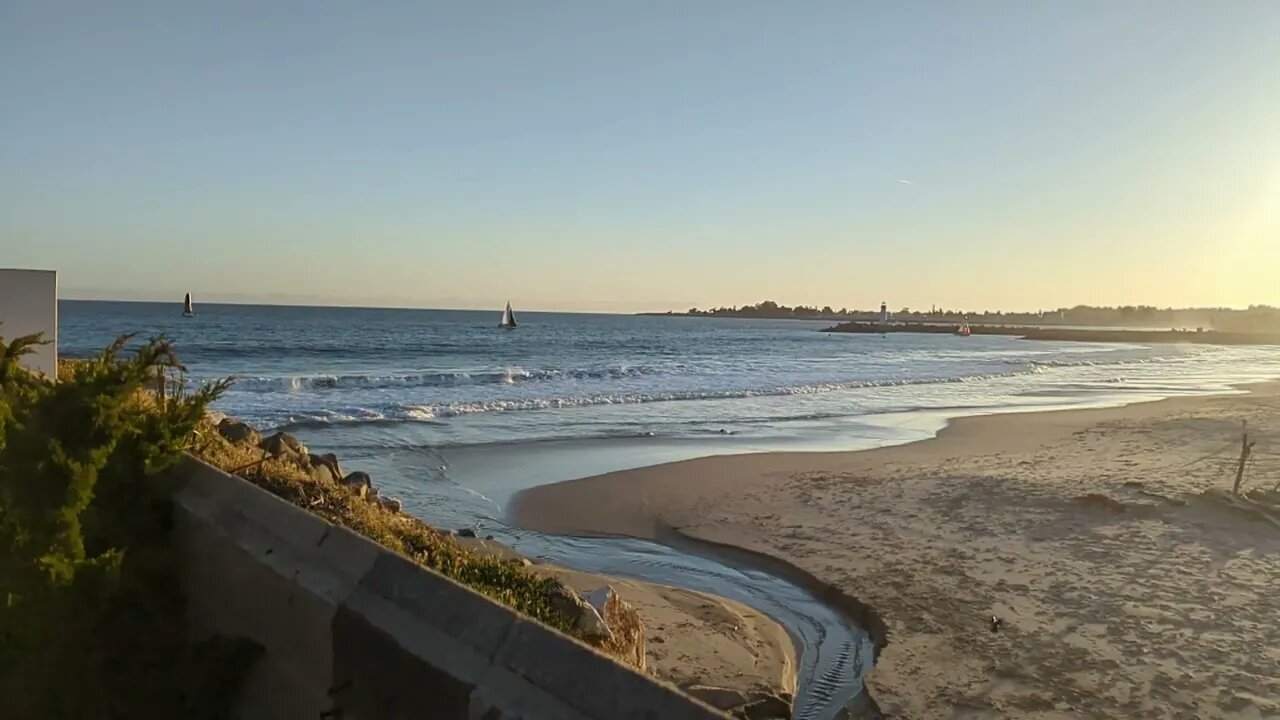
(649, 312)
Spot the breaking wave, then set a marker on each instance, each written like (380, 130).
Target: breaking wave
(306, 383)
(435, 412)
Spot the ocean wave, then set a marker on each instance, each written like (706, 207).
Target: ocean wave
(510, 376)
(436, 412)
(1038, 365)
(516, 375)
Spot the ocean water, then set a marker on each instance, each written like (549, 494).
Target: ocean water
(454, 415)
(447, 381)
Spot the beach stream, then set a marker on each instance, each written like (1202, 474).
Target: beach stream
(833, 655)
(470, 487)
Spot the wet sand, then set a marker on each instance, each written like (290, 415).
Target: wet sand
(1159, 604)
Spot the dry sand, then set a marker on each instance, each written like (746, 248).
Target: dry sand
(693, 638)
(1164, 605)
(696, 639)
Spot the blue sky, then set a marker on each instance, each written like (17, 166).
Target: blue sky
(645, 156)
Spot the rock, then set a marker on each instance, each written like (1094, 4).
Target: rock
(590, 625)
(323, 474)
(324, 468)
(617, 630)
(768, 707)
(718, 697)
(1101, 501)
(238, 432)
(622, 622)
(373, 495)
(282, 445)
(360, 481)
(586, 619)
(390, 504)
(599, 598)
(564, 601)
(466, 533)
(488, 537)
(328, 461)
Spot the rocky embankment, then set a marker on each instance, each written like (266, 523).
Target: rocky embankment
(721, 652)
(285, 466)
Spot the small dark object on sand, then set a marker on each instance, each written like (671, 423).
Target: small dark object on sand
(995, 624)
(1098, 500)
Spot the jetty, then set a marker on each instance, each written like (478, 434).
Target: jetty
(1201, 337)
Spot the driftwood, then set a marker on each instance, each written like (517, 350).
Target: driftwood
(1263, 511)
(1246, 449)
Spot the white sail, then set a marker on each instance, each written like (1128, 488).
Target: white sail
(187, 307)
(508, 318)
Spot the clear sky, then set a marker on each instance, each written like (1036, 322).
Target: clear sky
(619, 156)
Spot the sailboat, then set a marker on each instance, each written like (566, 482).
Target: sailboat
(188, 310)
(963, 330)
(508, 318)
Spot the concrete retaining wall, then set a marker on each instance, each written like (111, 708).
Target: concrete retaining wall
(354, 631)
(28, 305)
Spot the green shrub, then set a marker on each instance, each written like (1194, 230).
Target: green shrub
(506, 582)
(90, 610)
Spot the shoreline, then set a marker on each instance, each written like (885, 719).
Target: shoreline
(1067, 334)
(723, 500)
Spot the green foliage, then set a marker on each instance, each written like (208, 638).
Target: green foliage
(502, 580)
(90, 611)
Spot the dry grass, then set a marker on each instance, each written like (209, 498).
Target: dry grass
(501, 580)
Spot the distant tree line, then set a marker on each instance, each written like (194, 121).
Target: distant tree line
(1255, 318)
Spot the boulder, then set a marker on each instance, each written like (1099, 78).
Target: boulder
(622, 623)
(390, 504)
(282, 445)
(590, 625)
(359, 481)
(587, 622)
(322, 474)
(563, 600)
(327, 461)
(466, 533)
(599, 598)
(238, 432)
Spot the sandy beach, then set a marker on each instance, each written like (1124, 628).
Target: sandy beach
(713, 647)
(1121, 592)
(720, 650)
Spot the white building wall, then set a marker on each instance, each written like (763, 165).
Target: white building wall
(29, 304)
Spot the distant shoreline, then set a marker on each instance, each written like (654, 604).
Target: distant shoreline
(1117, 335)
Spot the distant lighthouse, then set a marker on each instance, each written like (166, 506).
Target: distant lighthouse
(884, 313)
